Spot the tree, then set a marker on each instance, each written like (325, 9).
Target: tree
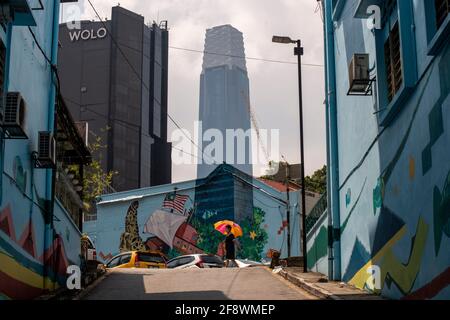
(317, 182)
(95, 181)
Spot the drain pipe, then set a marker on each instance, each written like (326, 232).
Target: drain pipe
(9, 29)
(50, 174)
(332, 148)
(327, 124)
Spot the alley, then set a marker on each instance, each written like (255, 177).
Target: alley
(192, 284)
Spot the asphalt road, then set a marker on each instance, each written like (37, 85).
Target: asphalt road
(256, 283)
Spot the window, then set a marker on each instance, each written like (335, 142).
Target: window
(212, 259)
(151, 257)
(114, 262)
(438, 24)
(125, 258)
(186, 260)
(442, 8)
(173, 263)
(396, 58)
(157, 118)
(393, 62)
(2, 76)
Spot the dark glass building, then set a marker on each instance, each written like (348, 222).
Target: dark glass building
(114, 76)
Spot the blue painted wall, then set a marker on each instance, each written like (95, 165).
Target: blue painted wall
(317, 246)
(394, 158)
(25, 254)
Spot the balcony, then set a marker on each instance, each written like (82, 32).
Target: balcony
(72, 155)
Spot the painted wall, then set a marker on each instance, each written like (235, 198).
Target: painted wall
(317, 246)
(192, 229)
(394, 180)
(24, 209)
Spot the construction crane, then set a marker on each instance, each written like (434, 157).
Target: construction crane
(255, 125)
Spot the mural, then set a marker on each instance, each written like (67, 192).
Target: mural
(175, 230)
(441, 214)
(130, 239)
(37, 242)
(22, 275)
(394, 271)
(394, 179)
(318, 250)
(22, 252)
(171, 220)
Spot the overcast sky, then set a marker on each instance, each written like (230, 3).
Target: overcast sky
(273, 86)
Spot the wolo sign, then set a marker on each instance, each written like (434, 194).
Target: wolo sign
(88, 34)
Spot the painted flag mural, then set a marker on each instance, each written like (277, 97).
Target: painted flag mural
(175, 202)
(164, 225)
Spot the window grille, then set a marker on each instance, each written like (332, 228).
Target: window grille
(393, 61)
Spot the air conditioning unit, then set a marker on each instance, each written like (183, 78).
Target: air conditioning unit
(18, 12)
(46, 155)
(359, 75)
(14, 116)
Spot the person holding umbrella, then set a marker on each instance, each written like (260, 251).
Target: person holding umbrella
(231, 230)
(230, 247)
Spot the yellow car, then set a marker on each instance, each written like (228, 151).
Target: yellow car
(138, 259)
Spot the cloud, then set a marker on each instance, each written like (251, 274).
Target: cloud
(273, 87)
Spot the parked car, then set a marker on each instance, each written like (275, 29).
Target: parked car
(138, 259)
(196, 261)
(245, 263)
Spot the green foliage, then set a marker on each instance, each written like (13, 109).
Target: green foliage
(173, 253)
(96, 181)
(208, 237)
(318, 181)
(252, 248)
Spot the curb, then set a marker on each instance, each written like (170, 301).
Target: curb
(52, 295)
(309, 287)
(90, 287)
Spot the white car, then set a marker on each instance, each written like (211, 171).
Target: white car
(245, 263)
(196, 261)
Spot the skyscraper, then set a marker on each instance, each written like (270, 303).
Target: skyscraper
(224, 96)
(114, 76)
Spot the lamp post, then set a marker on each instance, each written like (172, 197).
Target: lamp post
(298, 51)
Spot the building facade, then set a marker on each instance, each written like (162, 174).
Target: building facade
(40, 209)
(173, 219)
(224, 100)
(114, 76)
(388, 147)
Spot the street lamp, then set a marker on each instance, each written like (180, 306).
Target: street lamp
(298, 51)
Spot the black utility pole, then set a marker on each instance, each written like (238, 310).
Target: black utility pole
(298, 51)
(288, 212)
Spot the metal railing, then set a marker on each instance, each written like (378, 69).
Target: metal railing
(316, 212)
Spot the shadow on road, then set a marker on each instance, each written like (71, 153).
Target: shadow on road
(128, 286)
(188, 295)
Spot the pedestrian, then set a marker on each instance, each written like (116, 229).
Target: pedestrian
(221, 250)
(230, 249)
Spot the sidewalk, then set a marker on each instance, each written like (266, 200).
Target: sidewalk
(317, 284)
